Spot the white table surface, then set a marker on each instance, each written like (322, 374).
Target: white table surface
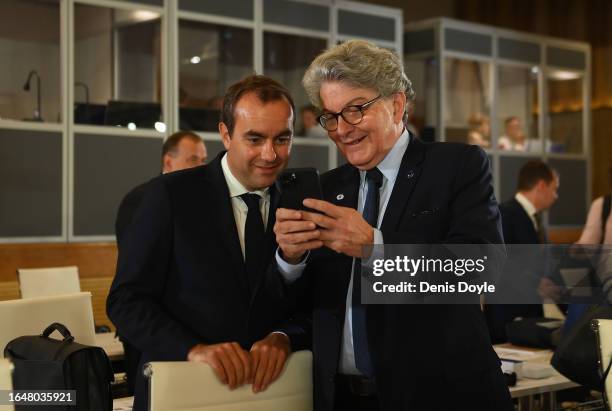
(111, 345)
(529, 386)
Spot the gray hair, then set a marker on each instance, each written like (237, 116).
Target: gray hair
(358, 63)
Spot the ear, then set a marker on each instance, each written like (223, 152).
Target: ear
(541, 185)
(225, 135)
(399, 106)
(167, 164)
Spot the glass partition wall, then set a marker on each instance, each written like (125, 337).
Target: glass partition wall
(90, 89)
(516, 95)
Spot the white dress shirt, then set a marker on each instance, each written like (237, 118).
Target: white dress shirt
(389, 167)
(236, 189)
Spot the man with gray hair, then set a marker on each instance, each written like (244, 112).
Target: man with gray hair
(395, 189)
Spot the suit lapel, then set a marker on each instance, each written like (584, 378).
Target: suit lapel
(407, 177)
(226, 224)
(345, 192)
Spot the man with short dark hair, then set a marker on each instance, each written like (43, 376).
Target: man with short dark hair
(536, 191)
(193, 279)
(522, 224)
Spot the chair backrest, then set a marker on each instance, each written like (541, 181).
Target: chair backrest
(168, 391)
(6, 381)
(603, 329)
(43, 282)
(31, 316)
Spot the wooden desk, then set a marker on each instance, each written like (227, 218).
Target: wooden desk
(111, 345)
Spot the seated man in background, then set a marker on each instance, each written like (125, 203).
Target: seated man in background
(181, 150)
(192, 277)
(310, 126)
(522, 224)
(513, 138)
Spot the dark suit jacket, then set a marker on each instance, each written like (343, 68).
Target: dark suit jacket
(127, 209)
(424, 356)
(518, 229)
(181, 278)
(516, 224)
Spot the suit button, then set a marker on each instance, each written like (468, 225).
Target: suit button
(332, 377)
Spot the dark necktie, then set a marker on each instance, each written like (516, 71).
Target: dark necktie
(254, 233)
(542, 238)
(374, 179)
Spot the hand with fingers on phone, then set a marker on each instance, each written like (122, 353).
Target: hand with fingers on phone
(294, 235)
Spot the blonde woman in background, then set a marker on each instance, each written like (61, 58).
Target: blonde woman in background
(480, 130)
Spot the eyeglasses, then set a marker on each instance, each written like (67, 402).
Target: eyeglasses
(351, 114)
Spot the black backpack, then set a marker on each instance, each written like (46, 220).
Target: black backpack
(43, 363)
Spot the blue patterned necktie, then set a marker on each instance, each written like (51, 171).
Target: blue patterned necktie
(374, 179)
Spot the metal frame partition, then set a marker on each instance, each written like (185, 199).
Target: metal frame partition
(94, 165)
(546, 59)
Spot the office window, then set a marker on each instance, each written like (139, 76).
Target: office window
(424, 76)
(565, 111)
(468, 102)
(211, 58)
(117, 67)
(282, 63)
(30, 60)
(517, 112)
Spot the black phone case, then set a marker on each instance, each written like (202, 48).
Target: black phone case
(296, 184)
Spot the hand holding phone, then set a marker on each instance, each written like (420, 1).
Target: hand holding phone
(294, 235)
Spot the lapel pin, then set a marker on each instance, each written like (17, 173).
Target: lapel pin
(410, 174)
(340, 197)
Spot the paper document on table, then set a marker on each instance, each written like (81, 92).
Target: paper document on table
(516, 354)
(551, 325)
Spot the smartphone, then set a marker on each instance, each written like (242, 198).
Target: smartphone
(296, 184)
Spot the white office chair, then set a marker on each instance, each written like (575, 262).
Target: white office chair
(603, 329)
(6, 381)
(192, 386)
(43, 282)
(31, 316)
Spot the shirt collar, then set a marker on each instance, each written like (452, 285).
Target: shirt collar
(526, 204)
(235, 187)
(389, 166)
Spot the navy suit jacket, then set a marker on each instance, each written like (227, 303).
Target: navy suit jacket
(181, 278)
(442, 194)
(518, 229)
(127, 209)
(516, 224)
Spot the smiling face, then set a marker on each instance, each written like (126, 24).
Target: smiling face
(365, 144)
(258, 149)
